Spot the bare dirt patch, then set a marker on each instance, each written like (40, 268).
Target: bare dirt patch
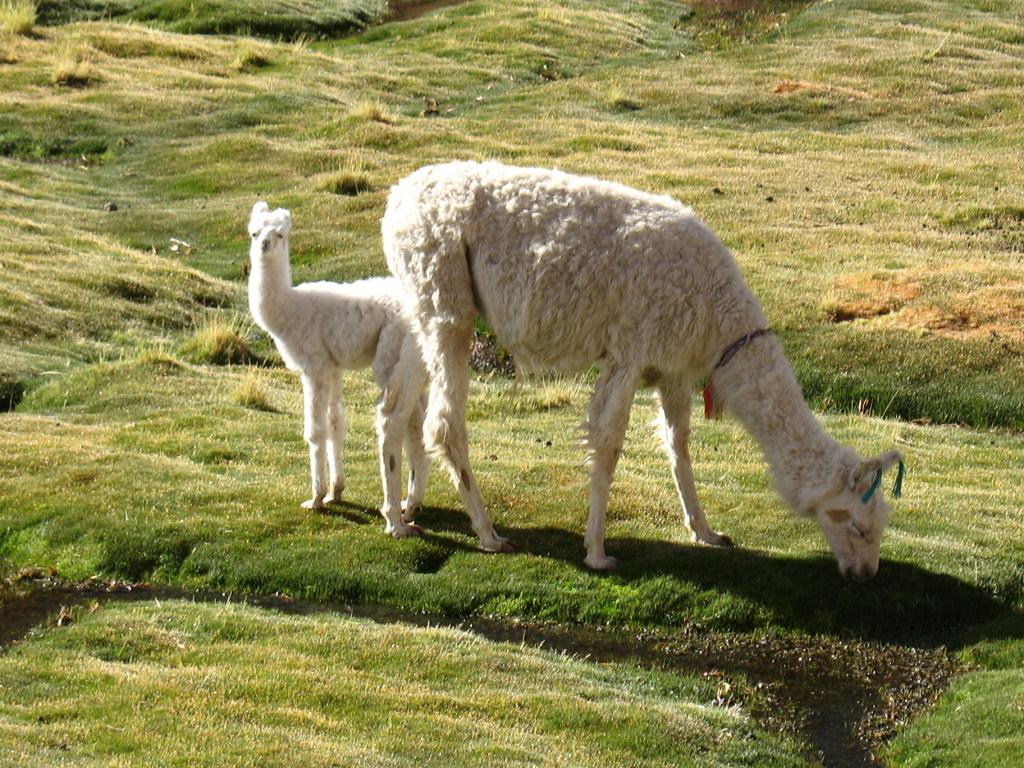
(990, 314)
(794, 86)
(739, 19)
(413, 9)
(964, 301)
(867, 295)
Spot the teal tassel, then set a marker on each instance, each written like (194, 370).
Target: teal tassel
(897, 490)
(874, 487)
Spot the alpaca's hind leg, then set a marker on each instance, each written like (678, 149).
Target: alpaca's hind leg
(316, 393)
(675, 409)
(446, 355)
(336, 440)
(607, 419)
(419, 462)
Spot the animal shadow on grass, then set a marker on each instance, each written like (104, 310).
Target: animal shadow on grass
(353, 513)
(903, 602)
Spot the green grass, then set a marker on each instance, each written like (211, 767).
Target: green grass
(979, 722)
(860, 158)
(226, 685)
(215, 490)
(320, 18)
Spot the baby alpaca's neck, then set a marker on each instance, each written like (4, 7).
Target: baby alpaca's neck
(270, 291)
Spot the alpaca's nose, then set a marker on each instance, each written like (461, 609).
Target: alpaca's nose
(860, 573)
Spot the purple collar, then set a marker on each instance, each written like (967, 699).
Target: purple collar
(737, 345)
(711, 411)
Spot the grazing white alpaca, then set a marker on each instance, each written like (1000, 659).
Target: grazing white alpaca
(569, 271)
(323, 328)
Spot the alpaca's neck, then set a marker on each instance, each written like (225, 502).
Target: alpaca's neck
(759, 388)
(270, 291)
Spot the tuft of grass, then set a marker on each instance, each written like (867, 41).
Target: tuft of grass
(157, 356)
(619, 101)
(251, 393)
(220, 341)
(372, 111)
(73, 68)
(17, 17)
(344, 182)
(250, 57)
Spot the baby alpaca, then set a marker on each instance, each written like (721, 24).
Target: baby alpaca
(570, 271)
(323, 328)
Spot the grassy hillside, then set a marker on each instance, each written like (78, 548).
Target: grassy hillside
(871, 198)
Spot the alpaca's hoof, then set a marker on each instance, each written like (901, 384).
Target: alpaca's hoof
(601, 563)
(498, 544)
(334, 497)
(409, 510)
(714, 539)
(314, 503)
(403, 530)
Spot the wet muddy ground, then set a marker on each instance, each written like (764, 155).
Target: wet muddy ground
(413, 9)
(843, 698)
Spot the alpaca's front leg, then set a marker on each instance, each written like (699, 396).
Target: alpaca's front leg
(419, 462)
(675, 408)
(607, 419)
(446, 355)
(336, 440)
(316, 392)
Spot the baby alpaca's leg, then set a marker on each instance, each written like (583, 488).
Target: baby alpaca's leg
(392, 414)
(419, 462)
(316, 392)
(336, 439)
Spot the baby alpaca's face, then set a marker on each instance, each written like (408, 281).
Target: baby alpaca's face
(269, 230)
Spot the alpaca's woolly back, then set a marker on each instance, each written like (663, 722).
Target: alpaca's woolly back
(567, 270)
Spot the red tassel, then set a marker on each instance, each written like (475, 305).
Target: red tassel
(709, 402)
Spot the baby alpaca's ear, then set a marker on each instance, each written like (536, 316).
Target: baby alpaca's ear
(283, 221)
(259, 213)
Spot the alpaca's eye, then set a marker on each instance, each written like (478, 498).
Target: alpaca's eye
(860, 531)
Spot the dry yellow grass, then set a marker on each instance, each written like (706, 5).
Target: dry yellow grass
(17, 17)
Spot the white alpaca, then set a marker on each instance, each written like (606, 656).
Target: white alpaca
(569, 271)
(323, 328)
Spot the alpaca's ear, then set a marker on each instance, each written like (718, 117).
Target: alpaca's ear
(863, 475)
(260, 207)
(283, 221)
